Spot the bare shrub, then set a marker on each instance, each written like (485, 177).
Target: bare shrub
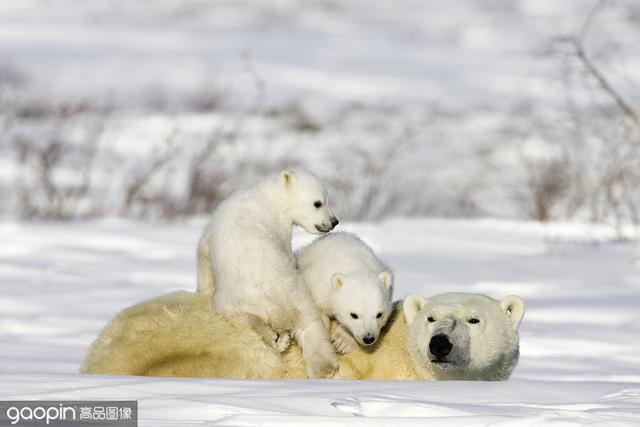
(616, 198)
(206, 174)
(41, 110)
(54, 175)
(364, 185)
(54, 144)
(547, 182)
(207, 99)
(598, 170)
(296, 117)
(135, 190)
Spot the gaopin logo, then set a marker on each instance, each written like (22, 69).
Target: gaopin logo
(40, 413)
(66, 413)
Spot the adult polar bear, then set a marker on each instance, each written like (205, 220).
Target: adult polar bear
(246, 264)
(447, 337)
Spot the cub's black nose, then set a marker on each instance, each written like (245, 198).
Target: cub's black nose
(440, 346)
(368, 339)
(334, 222)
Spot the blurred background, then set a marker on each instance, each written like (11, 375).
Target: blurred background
(520, 109)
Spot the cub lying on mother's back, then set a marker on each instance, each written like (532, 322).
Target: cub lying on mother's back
(350, 284)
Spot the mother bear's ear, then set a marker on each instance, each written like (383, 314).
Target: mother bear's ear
(412, 306)
(513, 307)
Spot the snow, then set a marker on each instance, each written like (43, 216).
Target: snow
(580, 364)
(321, 52)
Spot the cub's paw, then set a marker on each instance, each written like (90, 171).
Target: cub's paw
(282, 341)
(322, 365)
(343, 342)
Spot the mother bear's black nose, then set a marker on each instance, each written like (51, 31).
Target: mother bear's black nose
(440, 345)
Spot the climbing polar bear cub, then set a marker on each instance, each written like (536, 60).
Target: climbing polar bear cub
(350, 284)
(457, 336)
(246, 263)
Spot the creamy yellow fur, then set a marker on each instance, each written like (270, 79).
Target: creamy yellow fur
(179, 334)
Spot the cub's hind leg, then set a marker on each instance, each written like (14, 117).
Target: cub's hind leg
(279, 340)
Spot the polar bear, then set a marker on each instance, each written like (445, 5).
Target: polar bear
(246, 264)
(180, 335)
(350, 284)
(463, 336)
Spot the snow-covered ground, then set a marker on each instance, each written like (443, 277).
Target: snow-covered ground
(580, 364)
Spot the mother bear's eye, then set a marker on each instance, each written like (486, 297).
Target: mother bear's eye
(473, 321)
(354, 316)
(379, 315)
(431, 319)
(317, 204)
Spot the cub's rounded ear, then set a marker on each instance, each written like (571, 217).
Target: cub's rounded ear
(386, 278)
(513, 307)
(287, 178)
(412, 306)
(337, 280)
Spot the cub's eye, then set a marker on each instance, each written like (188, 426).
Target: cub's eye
(473, 321)
(318, 204)
(354, 316)
(431, 319)
(379, 315)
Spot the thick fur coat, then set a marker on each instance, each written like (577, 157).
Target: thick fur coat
(180, 335)
(350, 284)
(246, 264)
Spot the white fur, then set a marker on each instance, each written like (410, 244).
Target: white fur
(245, 256)
(484, 350)
(345, 279)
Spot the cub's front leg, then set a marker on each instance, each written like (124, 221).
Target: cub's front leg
(317, 352)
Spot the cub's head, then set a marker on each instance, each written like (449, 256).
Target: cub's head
(307, 202)
(362, 304)
(464, 336)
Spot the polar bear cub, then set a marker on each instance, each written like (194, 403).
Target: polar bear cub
(350, 284)
(246, 263)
